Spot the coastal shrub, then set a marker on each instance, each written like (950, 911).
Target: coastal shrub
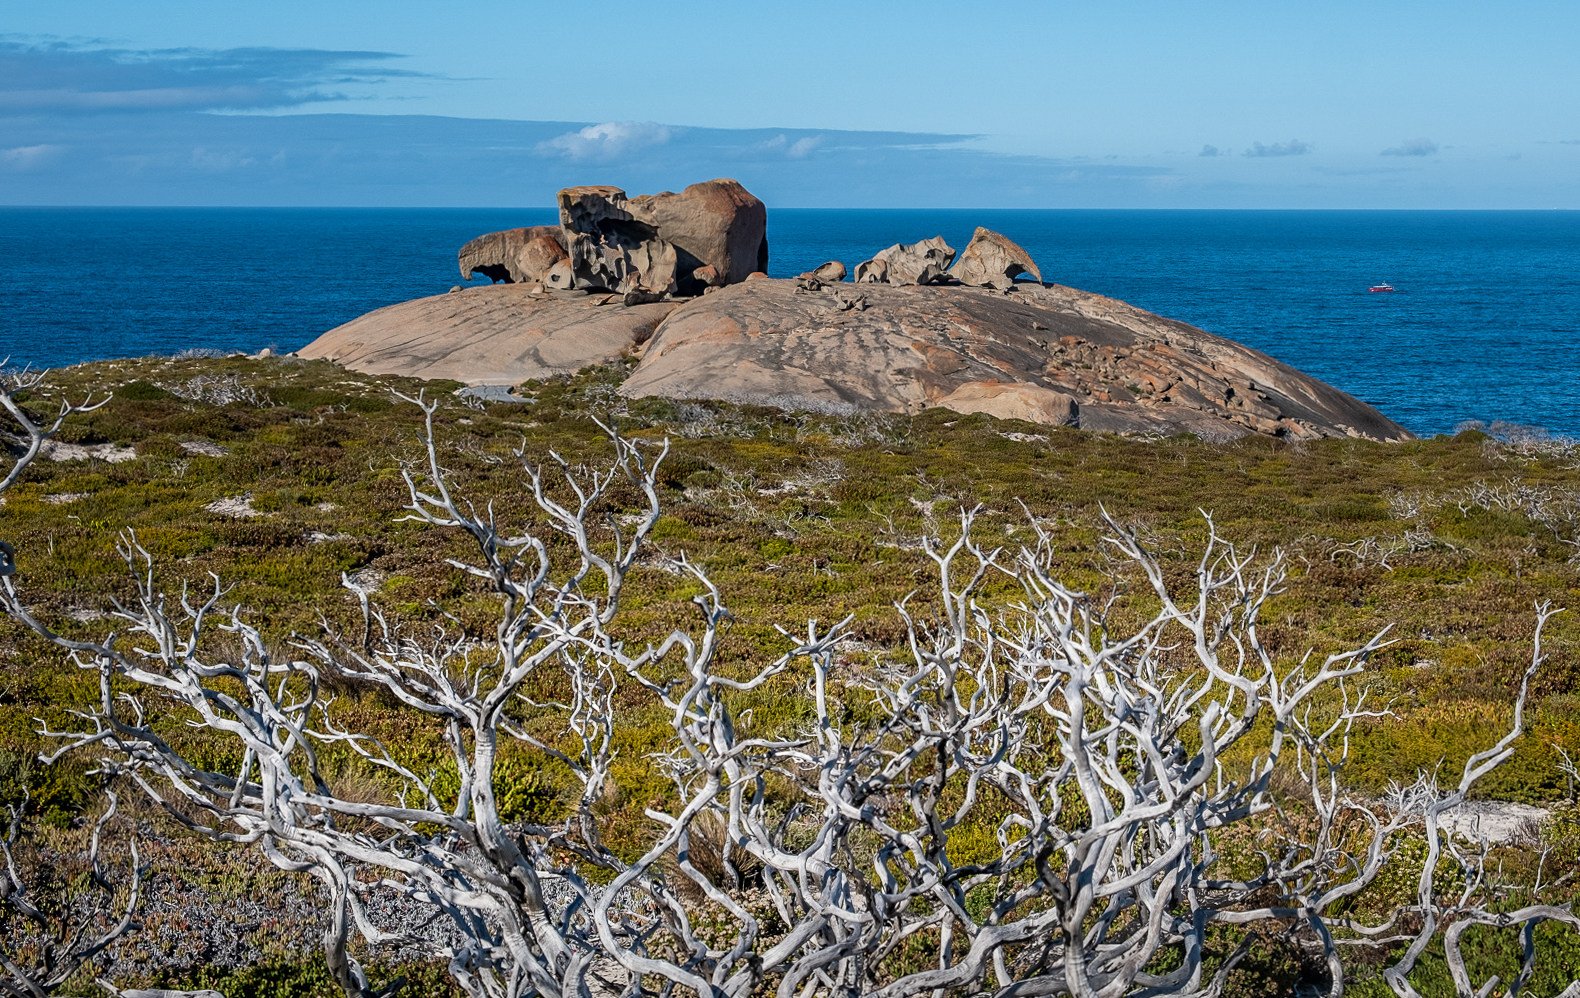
(965, 721)
(140, 390)
(1461, 612)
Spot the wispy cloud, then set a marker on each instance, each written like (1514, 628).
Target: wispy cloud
(1412, 147)
(607, 141)
(1294, 147)
(803, 147)
(1210, 151)
(799, 148)
(65, 77)
(21, 159)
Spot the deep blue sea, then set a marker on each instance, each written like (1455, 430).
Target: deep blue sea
(1485, 324)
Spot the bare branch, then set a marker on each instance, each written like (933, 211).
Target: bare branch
(1092, 754)
(70, 931)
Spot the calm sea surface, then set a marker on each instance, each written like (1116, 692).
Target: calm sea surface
(1485, 325)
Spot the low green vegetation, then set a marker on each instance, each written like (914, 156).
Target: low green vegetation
(281, 477)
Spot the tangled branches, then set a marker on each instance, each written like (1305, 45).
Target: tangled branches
(48, 940)
(1100, 758)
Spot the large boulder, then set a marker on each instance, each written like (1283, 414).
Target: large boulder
(1045, 354)
(716, 223)
(518, 256)
(925, 262)
(992, 260)
(501, 334)
(710, 234)
(610, 248)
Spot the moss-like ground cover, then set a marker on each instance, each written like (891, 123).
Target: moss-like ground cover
(278, 476)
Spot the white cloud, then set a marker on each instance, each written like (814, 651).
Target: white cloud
(1210, 151)
(21, 159)
(1412, 147)
(802, 148)
(1294, 147)
(799, 149)
(609, 140)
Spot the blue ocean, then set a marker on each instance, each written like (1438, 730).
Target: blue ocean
(1485, 323)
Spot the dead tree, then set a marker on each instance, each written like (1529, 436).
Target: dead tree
(27, 433)
(834, 860)
(46, 940)
(48, 936)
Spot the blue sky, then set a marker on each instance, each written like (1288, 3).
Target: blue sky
(1041, 104)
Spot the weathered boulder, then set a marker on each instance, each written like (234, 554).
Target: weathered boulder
(925, 262)
(716, 223)
(518, 256)
(710, 234)
(1046, 354)
(499, 334)
(992, 260)
(610, 248)
(831, 272)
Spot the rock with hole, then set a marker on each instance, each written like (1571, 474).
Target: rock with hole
(514, 256)
(993, 260)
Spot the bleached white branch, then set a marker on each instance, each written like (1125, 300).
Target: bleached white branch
(1035, 803)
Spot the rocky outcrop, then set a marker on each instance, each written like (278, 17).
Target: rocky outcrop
(518, 256)
(610, 248)
(710, 234)
(716, 223)
(911, 333)
(1045, 354)
(500, 334)
(925, 262)
(992, 260)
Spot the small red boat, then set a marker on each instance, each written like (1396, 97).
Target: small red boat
(1384, 287)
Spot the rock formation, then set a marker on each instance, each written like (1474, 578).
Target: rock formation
(610, 248)
(925, 262)
(710, 234)
(716, 224)
(500, 334)
(1044, 354)
(604, 284)
(831, 272)
(518, 256)
(992, 260)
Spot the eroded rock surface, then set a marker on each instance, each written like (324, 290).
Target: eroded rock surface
(1046, 354)
(500, 334)
(716, 224)
(610, 248)
(924, 262)
(518, 256)
(992, 260)
(710, 234)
